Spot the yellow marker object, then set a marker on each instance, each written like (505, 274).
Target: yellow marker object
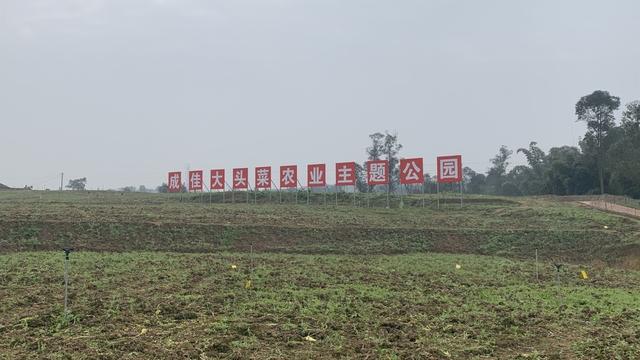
(309, 338)
(247, 284)
(584, 275)
(458, 266)
(233, 266)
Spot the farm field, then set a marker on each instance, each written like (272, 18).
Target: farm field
(159, 276)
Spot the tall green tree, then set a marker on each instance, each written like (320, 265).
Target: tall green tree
(385, 146)
(361, 179)
(391, 148)
(596, 109)
(374, 152)
(566, 172)
(77, 184)
(631, 117)
(530, 179)
(474, 183)
(624, 154)
(496, 176)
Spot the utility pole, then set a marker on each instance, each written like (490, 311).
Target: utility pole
(61, 180)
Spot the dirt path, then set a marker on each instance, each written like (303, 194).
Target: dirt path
(614, 208)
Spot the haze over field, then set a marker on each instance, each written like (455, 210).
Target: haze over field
(123, 91)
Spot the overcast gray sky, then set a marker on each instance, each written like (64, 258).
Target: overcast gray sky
(124, 91)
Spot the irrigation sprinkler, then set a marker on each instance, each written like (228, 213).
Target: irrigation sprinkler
(67, 251)
(558, 268)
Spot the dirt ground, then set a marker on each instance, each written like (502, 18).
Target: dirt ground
(614, 208)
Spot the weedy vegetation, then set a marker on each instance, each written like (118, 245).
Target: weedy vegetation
(169, 276)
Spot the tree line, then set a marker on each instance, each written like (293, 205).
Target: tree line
(606, 160)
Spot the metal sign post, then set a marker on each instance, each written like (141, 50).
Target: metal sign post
(367, 194)
(301, 187)
(67, 251)
(354, 195)
(255, 196)
(388, 193)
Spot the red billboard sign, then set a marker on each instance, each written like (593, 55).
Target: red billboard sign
(174, 183)
(449, 168)
(411, 171)
(263, 177)
(316, 175)
(288, 176)
(217, 179)
(240, 178)
(345, 174)
(378, 172)
(195, 180)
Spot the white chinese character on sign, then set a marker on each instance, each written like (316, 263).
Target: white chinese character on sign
(316, 176)
(449, 168)
(377, 172)
(196, 181)
(345, 174)
(411, 171)
(216, 179)
(263, 178)
(287, 176)
(240, 179)
(174, 181)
